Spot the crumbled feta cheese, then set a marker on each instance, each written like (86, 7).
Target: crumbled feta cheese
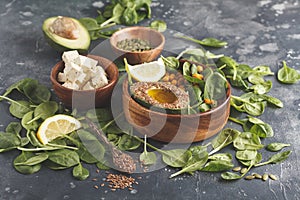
(70, 56)
(81, 73)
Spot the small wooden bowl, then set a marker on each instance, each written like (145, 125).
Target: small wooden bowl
(86, 99)
(175, 128)
(156, 39)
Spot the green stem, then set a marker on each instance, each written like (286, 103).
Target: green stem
(236, 120)
(10, 100)
(62, 146)
(111, 122)
(189, 38)
(261, 164)
(38, 149)
(34, 119)
(102, 27)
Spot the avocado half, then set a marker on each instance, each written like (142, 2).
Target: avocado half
(61, 44)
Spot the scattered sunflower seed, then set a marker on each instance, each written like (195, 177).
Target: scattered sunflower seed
(258, 176)
(244, 170)
(250, 177)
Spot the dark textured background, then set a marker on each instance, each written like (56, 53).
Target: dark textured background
(258, 32)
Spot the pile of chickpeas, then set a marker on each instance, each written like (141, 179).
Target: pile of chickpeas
(175, 78)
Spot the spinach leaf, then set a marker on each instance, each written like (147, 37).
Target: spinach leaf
(45, 110)
(103, 165)
(276, 146)
(129, 16)
(34, 160)
(221, 157)
(26, 169)
(147, 158)
(9, 141)
(64, 157)
(210, 42)
(248, 163)
(36, 92)
(100, 114)
(230, 176)
(287, 74)
(128, 142)
(14, 127)
(171, 62)
(224, 138)
(214, 88)
(217, 166)
(28, 123)
(277, 158)
(19, 108)
(80, 172)
(117, 12)
(176, 157)
(158, 25)
(246, 154)
(16, 86)
(247, 141)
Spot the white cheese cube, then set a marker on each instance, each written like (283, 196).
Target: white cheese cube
(88, 86)
(99, 79)
(70, 56)
(72, 71)
(71, 85)
(61, 77)
(85, 62)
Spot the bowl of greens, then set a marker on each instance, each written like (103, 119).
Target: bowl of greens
(137, 44)
(190, 103)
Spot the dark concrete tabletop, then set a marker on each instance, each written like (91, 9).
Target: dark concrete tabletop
(258, 32)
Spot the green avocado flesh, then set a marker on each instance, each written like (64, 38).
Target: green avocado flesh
(160, 96)
(61, 44)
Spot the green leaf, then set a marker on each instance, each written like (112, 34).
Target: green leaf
(158, 25)
(176, 157)
(14, 127)
(26, 169)
(45, 110)
(90, 24)
(16, 86)
(217, 166)
(28, 123)
(210, 42)
(276, 146)
(224, 138)
(287, 74)
(247, 141)
(80, 173)
(128, 142)
(277, 158)
(129, 16)
(19, 108)
(147, 158)
(248, 163)
(246, 154)
(34, 160)
(9, 141)
(36, 92)
(230, 176)
(103, 165)
(64, 157)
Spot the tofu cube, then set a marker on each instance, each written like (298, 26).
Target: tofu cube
(61, 77)
(72, 71)
(70, 56)
(88, 86)
(85, 62)
(71, 85)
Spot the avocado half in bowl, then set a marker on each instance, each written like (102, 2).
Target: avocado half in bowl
(166, 112)
(66, 33)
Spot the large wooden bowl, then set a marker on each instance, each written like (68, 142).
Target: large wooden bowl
(86, 99)
(156, 39)
(175, 128)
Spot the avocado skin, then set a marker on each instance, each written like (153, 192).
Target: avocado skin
(59, 46)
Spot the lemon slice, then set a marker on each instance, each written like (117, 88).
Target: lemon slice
(148, 72)
(56, 126)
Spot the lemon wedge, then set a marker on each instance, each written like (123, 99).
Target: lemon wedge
(56, 126)
(148, 72)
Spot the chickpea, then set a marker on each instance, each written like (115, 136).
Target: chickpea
(174, 82)
(199, 69)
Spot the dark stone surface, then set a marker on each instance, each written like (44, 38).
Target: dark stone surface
(258, 32)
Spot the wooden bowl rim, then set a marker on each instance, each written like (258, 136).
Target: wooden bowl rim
(112, 81)
(210, 112)
(113, 41)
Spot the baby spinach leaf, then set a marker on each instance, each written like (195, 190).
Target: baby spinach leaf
(103, 165)
(36, 92)
(117, 12)
(45, 110)
(230, 176)
(271, 100)
(34, 160)
(224, 138)
(276, 146)
(19, 108)
(217, 166)
(277, 158)
(171, 62)
(31, 136)
(287, 74)
(147, 158)
(14, 127)
(246, 154)
(26, 169)
(248, 163)
(28, 123)
(262, 70)
(210, 42)
(176, 157)
(16, 86)
(9, 141)
(247, 141)
(100, 114)
(158, 25)
(221, 157)
(215, 87)
(90, 24)
(129, 16)
(128, 142)
(80, 173)
(64, 157)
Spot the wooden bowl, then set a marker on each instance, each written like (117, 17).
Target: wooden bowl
(86, 99)
(175, 128)
(156, 39)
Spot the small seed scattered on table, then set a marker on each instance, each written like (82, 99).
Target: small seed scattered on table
(250, 177)
(258, 176)
(273, 177)
(237, 169)
(265, 177)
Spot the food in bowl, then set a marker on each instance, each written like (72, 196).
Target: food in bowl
(81, 72)
(134, 44)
